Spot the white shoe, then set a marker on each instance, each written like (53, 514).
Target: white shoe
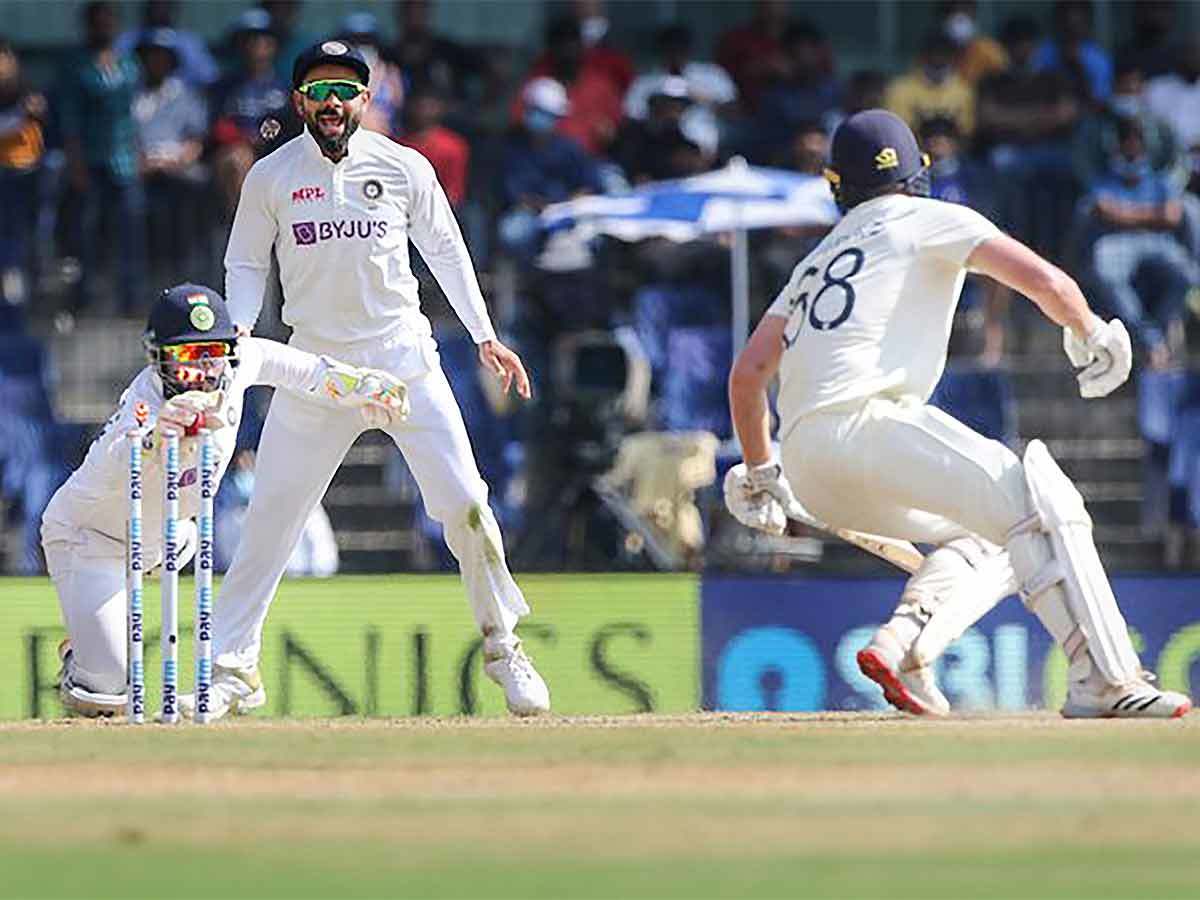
(78, 698)
(234, 692)
(524, 689)
(912, 690)
(1135, 700)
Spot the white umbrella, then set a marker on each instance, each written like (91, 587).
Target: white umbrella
(734, 199)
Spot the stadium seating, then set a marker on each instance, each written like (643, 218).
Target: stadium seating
(980, 398)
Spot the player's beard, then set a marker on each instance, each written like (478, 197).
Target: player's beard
(332, 144)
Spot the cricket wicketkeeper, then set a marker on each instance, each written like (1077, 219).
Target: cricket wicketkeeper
(198, 372)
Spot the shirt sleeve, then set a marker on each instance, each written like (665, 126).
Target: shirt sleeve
(949, 232)
(785, 301)
(248, 255)
(435, 233)
(278, 365)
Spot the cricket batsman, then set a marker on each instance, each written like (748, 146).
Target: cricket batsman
(199, 369)
(339, 206)
(859, 336)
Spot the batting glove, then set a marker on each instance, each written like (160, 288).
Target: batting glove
(761, 498)
(1106, 357)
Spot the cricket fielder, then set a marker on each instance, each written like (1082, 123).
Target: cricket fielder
(858, 336)
(339, 206)
(198, 372)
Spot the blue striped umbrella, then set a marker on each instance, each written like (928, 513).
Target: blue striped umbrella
(733, 199)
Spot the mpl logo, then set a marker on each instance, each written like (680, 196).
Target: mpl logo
(308, 194)
(308, 233)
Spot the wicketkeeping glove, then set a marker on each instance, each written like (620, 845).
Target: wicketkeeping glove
(187, 413)
(760, 497)
(1105, 358)
(382, 399)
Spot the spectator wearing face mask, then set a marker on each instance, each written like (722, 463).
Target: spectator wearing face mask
(933, 88)
(1130, 252)
(1097, 140)
(540, 165)
(595, 99)
(978, 54)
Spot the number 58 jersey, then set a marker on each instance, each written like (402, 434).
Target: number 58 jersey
(869, 309)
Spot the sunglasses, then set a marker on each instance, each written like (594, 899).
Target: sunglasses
(187, 353)
(320, 91)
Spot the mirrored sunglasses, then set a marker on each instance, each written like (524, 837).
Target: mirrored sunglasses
(196, 352)
(320, 91)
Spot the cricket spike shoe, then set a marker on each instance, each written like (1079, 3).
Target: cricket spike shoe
(912, 690)
(1135, 700)
(234, 692)
(77, 698)
(524, 689)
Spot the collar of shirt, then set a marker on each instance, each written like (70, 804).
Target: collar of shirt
(313, 149)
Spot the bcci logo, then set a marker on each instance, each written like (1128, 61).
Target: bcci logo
(887, 158)
(372, 189)
(202, 318)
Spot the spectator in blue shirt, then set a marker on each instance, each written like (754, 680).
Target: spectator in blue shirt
(172, 123)
(1072, 52)
(246, 100)
(99, 138)
(540, 166)
(196, 64)
(1132, 253)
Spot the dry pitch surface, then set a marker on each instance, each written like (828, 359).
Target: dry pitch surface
(692, 806)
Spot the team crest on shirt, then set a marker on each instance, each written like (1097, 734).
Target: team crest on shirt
(372, 189)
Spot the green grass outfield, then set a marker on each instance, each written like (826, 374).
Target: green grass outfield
(681, 806)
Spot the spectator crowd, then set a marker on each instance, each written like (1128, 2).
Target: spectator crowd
(124, 172)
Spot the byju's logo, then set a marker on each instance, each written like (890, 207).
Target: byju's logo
(304, 232)
(307, 233)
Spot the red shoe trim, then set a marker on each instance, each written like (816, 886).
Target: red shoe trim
(871, 664)
(1183, 710)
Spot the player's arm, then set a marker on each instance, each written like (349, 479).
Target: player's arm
(383, 398)
(248, 254)
(752, 371)
(435, 232)
(756, 491)
(1102, 349)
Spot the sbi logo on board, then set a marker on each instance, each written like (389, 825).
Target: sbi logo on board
(775, 667)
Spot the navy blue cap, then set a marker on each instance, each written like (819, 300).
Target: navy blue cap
(339, 53)
(188, 313)
(873, 149)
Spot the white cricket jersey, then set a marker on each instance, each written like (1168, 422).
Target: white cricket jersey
(869, 310)
(341, 234)
(96, 495)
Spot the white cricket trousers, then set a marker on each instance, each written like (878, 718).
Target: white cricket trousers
(304, 441)
(88, 572)
(902, 469)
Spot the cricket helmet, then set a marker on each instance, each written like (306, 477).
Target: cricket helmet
(874, 151)
(191, 340)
